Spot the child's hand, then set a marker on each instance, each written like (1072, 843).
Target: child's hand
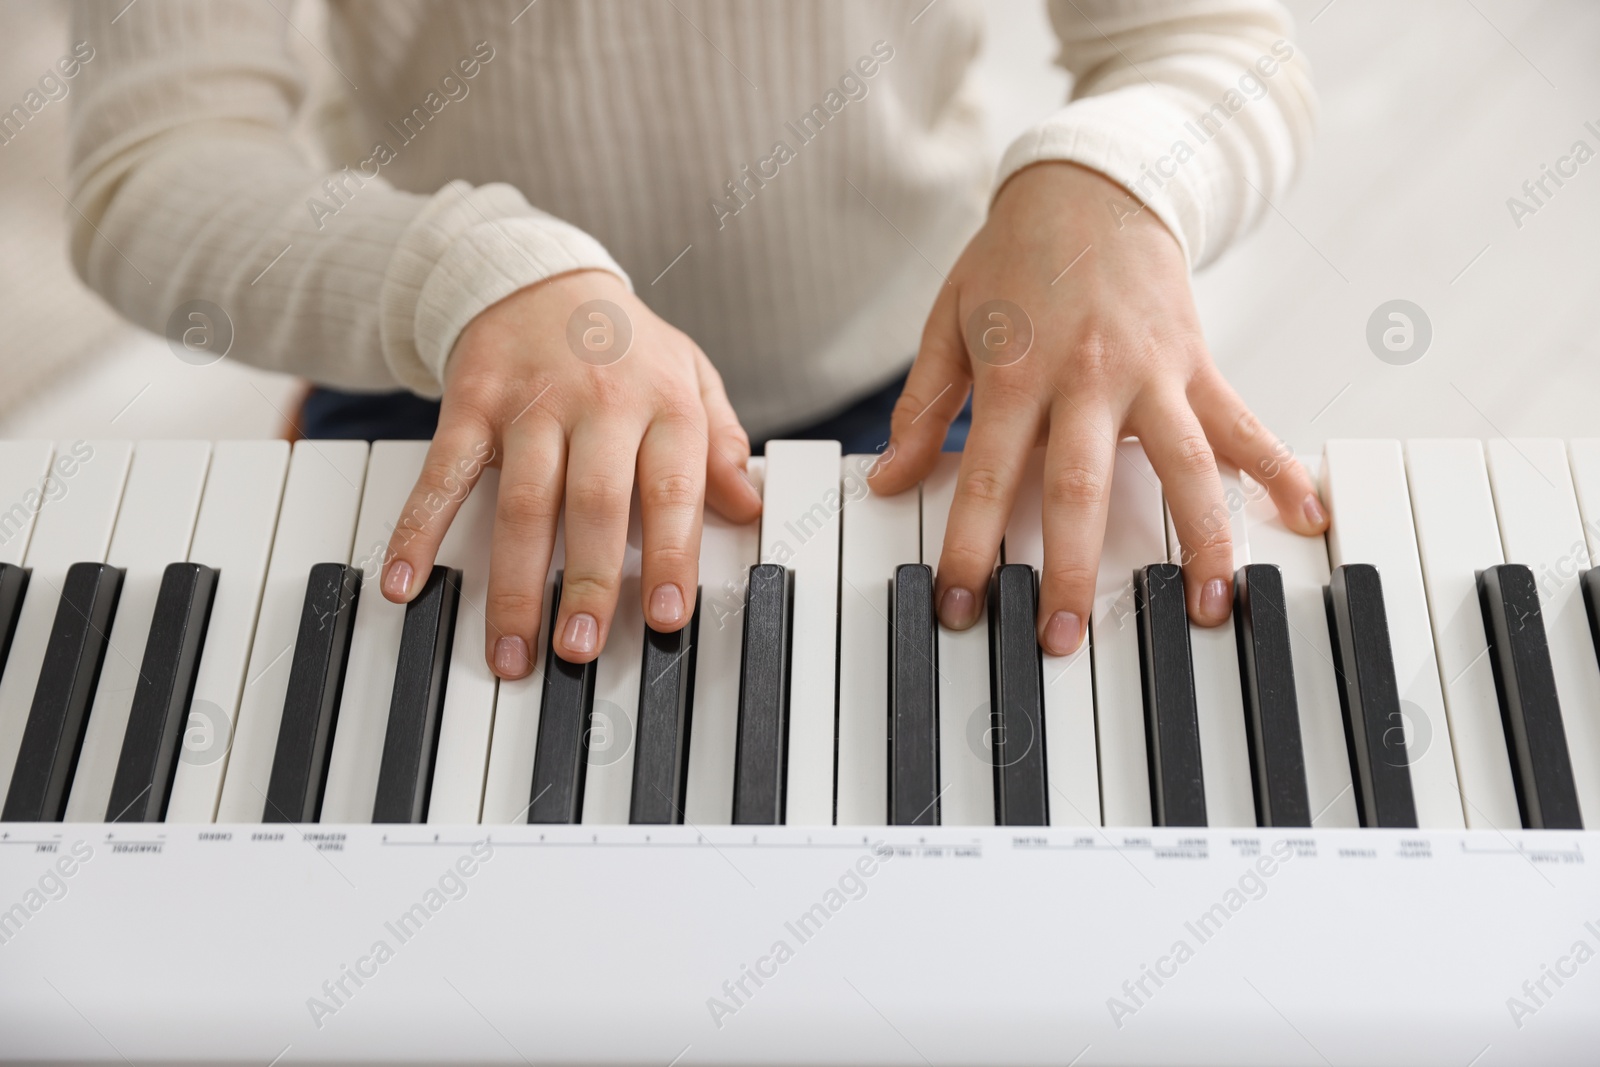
(1115, 350)
(571, 398)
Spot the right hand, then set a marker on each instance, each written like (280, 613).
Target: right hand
(567, 428)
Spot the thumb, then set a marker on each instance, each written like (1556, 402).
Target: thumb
(728, 488)
(934, 394)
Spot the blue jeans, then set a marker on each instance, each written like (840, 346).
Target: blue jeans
(330, 414)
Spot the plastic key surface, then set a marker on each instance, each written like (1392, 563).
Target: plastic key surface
(1272, 712)
(1016, 699)
(561, 758)
(71, 670)
(878, 534)
(233, 535)
(913, 659)
(316, 521)
(726, 554)
(405, 777)
(369, 671)
(1071, 749)
(800, 531)
(1303, 564)
(666, 703)
(13, 587)
(150, 746)
(518, 707)
(311, 701)
(1135, 535)
(72, 526)
(1368, 494)
(1374, 726)
(1543, 527)
(1172, 726)
(966, 765)
(1458, 536)
(1540, 765)
(762, 751)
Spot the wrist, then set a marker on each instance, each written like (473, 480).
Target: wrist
(536, 312)
(1092, 205)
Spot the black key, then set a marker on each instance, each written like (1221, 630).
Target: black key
(666, 697)
(67, 679)
(1271, 711)
(1016, 699)
(1171, 721)
(161, 696)
(561, 756)
(1374, 729)
(410, 743)
(13, 587)
(913, 698)
(1591, 600)
(761, 755)
(1530, 711)
(311, 705)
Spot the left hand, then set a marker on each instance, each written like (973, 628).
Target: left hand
(1116, 350)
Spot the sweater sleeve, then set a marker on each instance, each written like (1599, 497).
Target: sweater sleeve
(1200, 109)
(186, 185)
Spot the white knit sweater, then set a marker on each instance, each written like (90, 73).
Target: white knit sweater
(784, 181)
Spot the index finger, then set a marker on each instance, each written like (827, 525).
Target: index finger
(455, 461)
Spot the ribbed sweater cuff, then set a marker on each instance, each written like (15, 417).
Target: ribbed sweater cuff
(1128, 136)
(467, 249)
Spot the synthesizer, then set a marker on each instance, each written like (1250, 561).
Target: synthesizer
(254, 813)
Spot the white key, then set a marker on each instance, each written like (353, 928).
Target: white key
(1303, 562)
(467, 718)
(1072, 766)
(800, 530)
(154, 524)
(1584, 454)
(1219, 698)
(315, 525)
(966, 753)
(352, 787)
(1540, 526)
(508, 784)
(880, 533)
(1457, 536)
(727, 552)
(1135, 537)
(614, 721)
(238, 514)
(74, 525)
(22, 470)
(1364, 485)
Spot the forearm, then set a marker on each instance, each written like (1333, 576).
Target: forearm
(187, 186)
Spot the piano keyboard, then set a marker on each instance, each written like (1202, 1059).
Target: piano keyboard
(1175, 846)
(193, 633)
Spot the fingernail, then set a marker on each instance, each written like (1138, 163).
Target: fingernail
(397, 579)
(884, 458)
(1214, 599)
(511, 657)
(1063, 633)
(956, 608)
(580, 634)
(1313, 510)
(666, 605)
